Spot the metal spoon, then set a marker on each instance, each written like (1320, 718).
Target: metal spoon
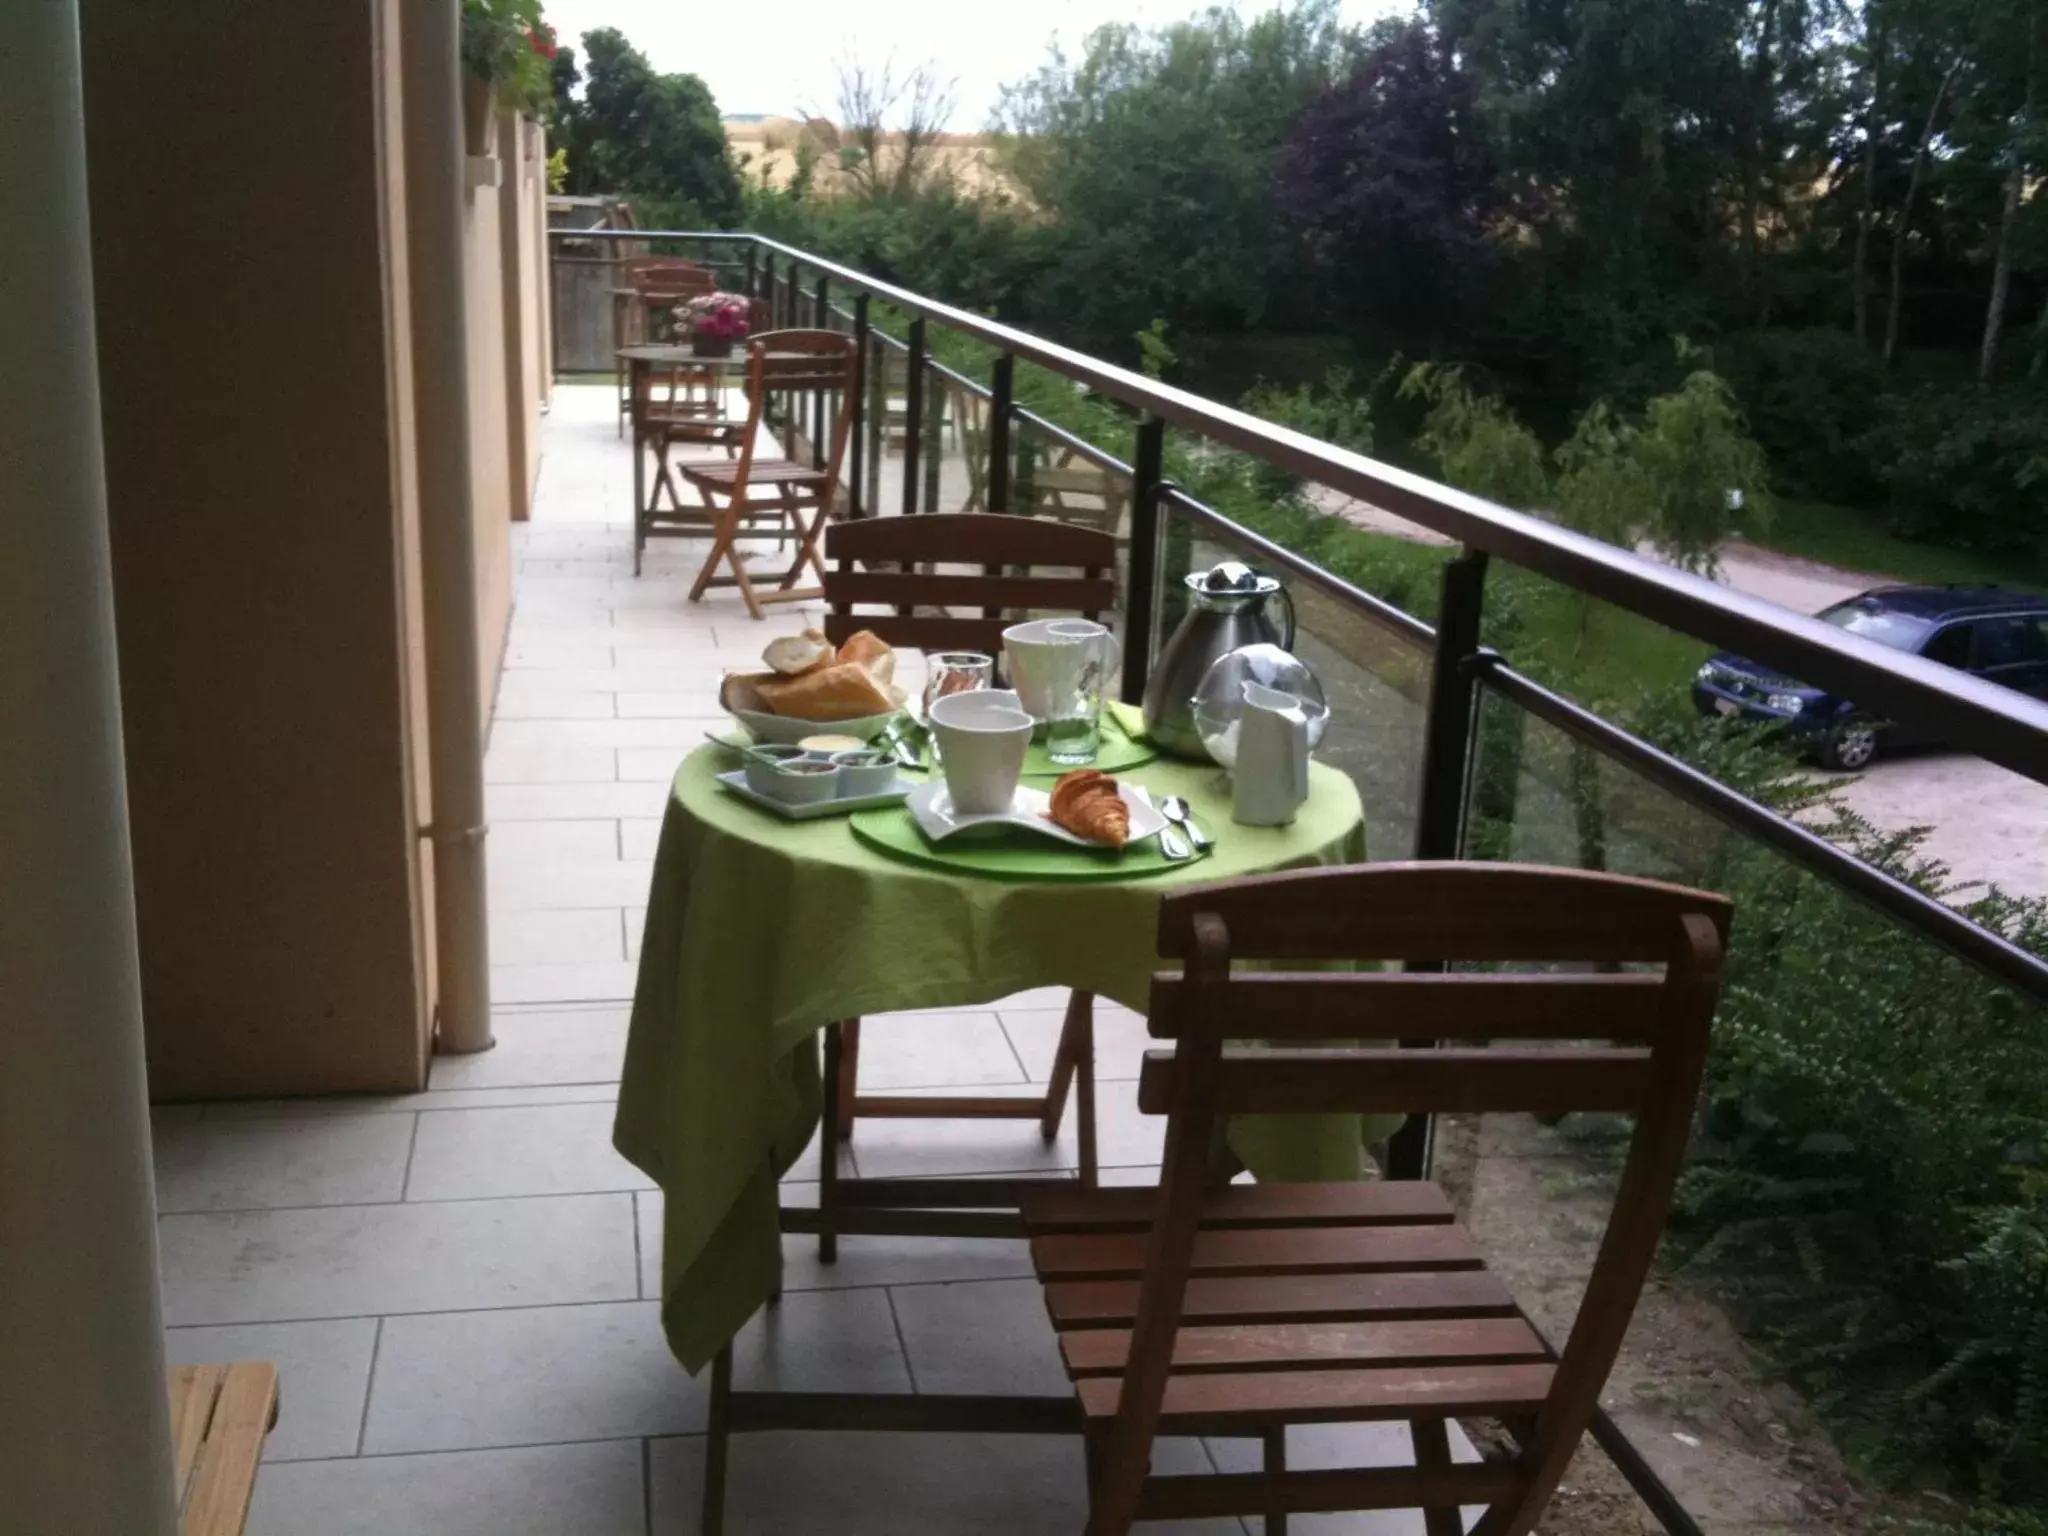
(1171, 843)
(1175, 810)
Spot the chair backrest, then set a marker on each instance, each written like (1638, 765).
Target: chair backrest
(1651, 1026)
(992, 557)
(801, 362)
(666, 277)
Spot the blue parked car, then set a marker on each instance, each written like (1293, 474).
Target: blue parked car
(1994, 632)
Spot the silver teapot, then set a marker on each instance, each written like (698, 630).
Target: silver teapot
(1226, 609)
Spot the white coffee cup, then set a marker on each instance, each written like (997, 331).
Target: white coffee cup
(1047, 661)
(982, 737)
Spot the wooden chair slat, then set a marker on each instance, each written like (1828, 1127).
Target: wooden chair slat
(1390, 1005)
(1291, 1299)
(193, 1389)
(1063, 594)
(764, 471)
(1442, 911)
(972, 538)
(920, 632)
(1389, 1081)
(225, 1480)
(1337, 1203)
(1280, 1346)
(1263, 1250)
(1192, 1497)
(1216, 1404)
(220, 1415)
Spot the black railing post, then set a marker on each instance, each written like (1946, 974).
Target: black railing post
(821, 313)
(1447, 737)
(856, 426)
(753, 255)
(767, 293)
(1141, 586)
(1446, 772)
(913, 414)
(1002, 391)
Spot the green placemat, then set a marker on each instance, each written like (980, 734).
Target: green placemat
(1114, 752)
(1011, 855)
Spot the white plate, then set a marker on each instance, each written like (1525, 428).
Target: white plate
(787, 732)
(838, 805)
(931, 806)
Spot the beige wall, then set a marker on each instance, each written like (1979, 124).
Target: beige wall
(489, 426)
(489, 451)
(240, 214)
(523, 178)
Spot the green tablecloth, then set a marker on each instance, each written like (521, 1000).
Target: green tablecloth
(760, 932)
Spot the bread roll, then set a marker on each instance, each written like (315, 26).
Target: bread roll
(794, 655)
(841, 691)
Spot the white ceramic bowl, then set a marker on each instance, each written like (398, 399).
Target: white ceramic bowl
(761, 765)
(803, 781)
(865, 772)
(784, 731)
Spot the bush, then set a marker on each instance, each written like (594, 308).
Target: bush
(1809, 397)
(1865, 1190)
(1968, 467)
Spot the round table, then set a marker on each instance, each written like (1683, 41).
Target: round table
(762, 931)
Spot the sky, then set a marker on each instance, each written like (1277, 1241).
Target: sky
(780, 56)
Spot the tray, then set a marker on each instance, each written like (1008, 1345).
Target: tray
(931, 807)
(838, 805)
(1011, 855)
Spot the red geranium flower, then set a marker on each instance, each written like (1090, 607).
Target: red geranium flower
(543, 40)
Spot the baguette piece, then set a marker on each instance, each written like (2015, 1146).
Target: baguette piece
(794, 655)
(872, 652)
(843, 690)
(742, 690)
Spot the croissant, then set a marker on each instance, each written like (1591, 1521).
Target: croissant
(1088, 804)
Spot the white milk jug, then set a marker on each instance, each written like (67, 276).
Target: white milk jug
(1270, 780)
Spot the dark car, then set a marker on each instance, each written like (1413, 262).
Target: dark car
(1993, 632)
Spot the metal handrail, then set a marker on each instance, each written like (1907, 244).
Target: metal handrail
(1991, 721)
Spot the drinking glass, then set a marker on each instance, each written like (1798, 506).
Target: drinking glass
(955, 672)
(948, 672)
(1073, 730)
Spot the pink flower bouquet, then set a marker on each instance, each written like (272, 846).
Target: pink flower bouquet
(715, 321)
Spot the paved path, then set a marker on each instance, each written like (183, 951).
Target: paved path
(1990, 826)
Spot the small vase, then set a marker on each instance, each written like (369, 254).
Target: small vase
(710, 346)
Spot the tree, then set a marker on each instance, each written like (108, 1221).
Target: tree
(2020, 149)
(1389, 178)
(1154, 155)
(634, 131)
(889, 127)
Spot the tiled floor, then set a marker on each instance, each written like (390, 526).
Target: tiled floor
(460, 1286)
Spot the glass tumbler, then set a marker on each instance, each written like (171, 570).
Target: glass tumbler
(954, 672)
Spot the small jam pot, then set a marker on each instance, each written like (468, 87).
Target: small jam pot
(803, 781)
(865, 772)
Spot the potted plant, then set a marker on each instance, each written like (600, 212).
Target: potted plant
(715, 322)
(508, 57)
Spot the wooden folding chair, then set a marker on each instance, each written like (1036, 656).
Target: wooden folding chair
(795, 497)
(648, 285)
(913, 571)
(1237, 1311)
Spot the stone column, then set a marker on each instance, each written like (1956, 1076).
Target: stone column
(84, 1423)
